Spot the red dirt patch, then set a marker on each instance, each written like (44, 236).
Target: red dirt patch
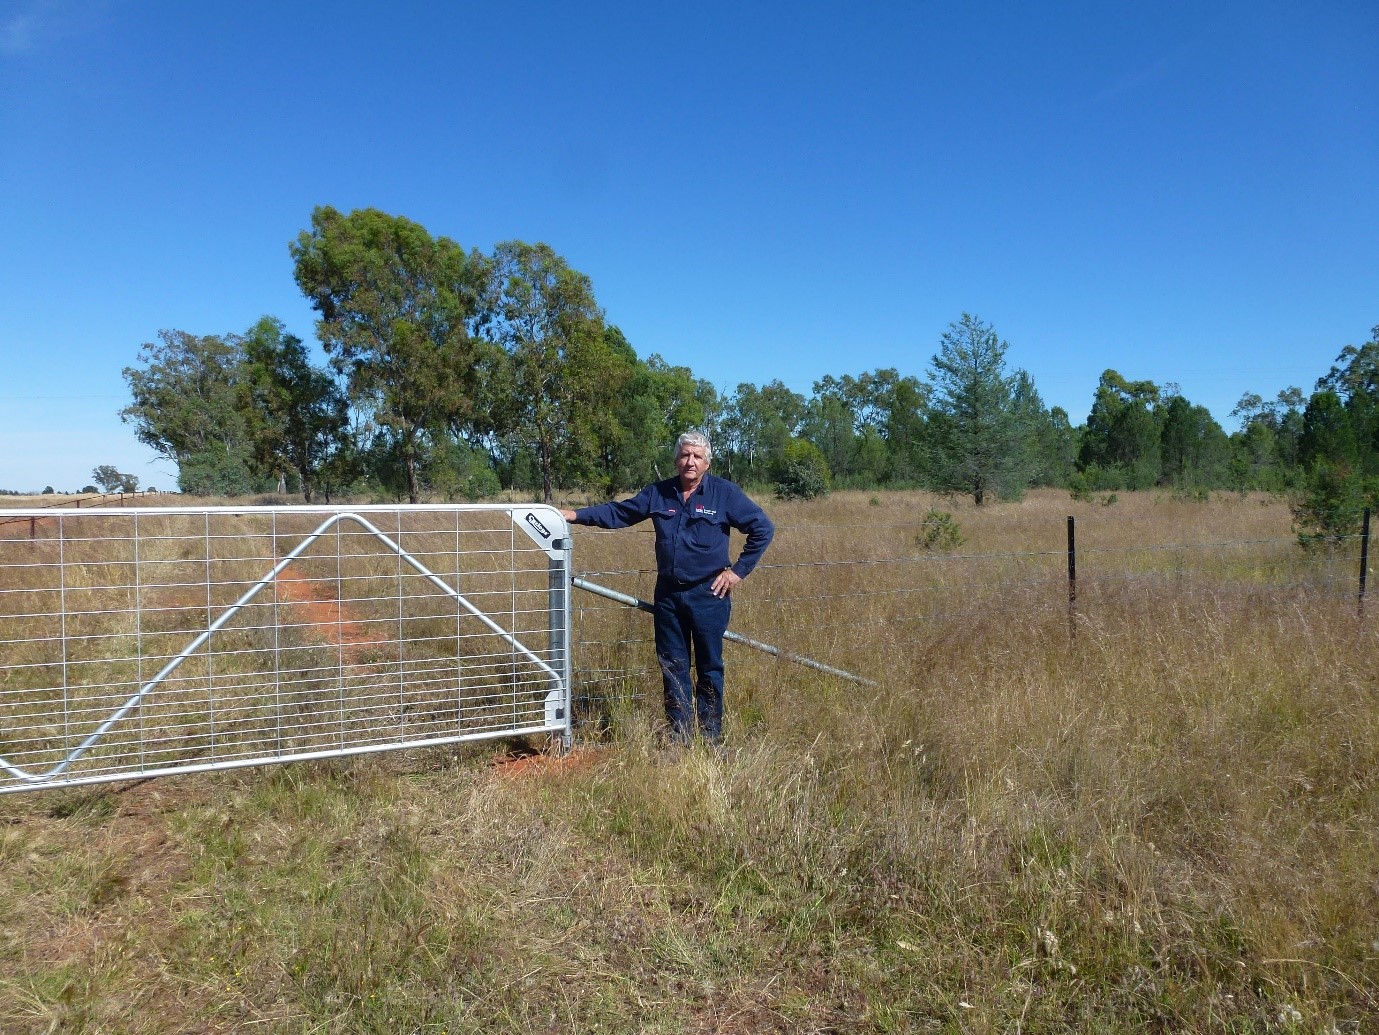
(536, 764)
(330, 616)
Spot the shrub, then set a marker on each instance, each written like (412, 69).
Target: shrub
(938, 531)
(457, 471)
(217, 471)
(1328, 507)
(801, 473)
(1085, 484)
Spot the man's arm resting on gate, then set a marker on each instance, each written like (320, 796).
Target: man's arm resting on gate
(615, 514)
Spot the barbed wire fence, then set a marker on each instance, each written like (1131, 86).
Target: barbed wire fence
(810, 600)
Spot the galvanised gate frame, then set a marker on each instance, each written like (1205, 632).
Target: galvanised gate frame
(152, 641)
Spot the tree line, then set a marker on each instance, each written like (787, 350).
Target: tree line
(457, 374)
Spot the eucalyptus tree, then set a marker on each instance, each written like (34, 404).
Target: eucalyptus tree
(1050, 440)
(560, 378)
(186, 408)
(829, 425)
(1194, 450)
(1329, 434)
(397, 311)
(906, 429)
(658, 402)
(296, 414)
(1354, 377)
(888, 425)
(110, 479)
(756, 425)
(871, 397)
(1122, 437)
(1356, 370)
(1338, 450)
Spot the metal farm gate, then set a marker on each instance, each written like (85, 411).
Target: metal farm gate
(151, 641)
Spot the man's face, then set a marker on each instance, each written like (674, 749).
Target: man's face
(691, 462)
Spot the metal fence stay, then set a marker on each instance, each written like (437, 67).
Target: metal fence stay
(151, 641)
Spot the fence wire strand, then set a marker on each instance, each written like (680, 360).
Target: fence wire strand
(843, 610)
(350, 638)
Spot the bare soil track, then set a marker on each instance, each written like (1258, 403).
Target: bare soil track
(331, 617)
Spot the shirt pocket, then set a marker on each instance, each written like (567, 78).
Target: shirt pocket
(705, 530)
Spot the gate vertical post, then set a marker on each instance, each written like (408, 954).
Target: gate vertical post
(558, 629)
(1072, 579)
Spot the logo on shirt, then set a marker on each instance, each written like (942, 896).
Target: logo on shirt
(699, 508)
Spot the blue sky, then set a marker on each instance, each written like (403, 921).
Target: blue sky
(1183, 192)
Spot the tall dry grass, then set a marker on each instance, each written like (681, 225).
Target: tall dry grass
(1163, 822)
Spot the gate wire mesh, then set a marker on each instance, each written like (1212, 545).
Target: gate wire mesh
(143, 642)
(859, 596)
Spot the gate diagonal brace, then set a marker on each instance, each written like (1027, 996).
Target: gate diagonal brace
(95, 737)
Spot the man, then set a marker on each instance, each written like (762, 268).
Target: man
(692, 513)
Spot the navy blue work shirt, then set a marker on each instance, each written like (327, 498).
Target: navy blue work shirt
(692, 534)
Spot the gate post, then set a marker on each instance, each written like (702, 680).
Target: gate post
(557, 634)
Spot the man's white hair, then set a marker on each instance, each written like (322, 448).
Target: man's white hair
(695, 438)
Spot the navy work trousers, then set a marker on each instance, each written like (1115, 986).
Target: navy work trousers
(689, 618)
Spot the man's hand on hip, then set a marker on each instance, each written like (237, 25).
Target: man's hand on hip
(724, 582)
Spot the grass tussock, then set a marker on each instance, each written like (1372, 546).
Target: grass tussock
(1163, 823)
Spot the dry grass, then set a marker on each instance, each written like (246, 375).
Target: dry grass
(1166, 824)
